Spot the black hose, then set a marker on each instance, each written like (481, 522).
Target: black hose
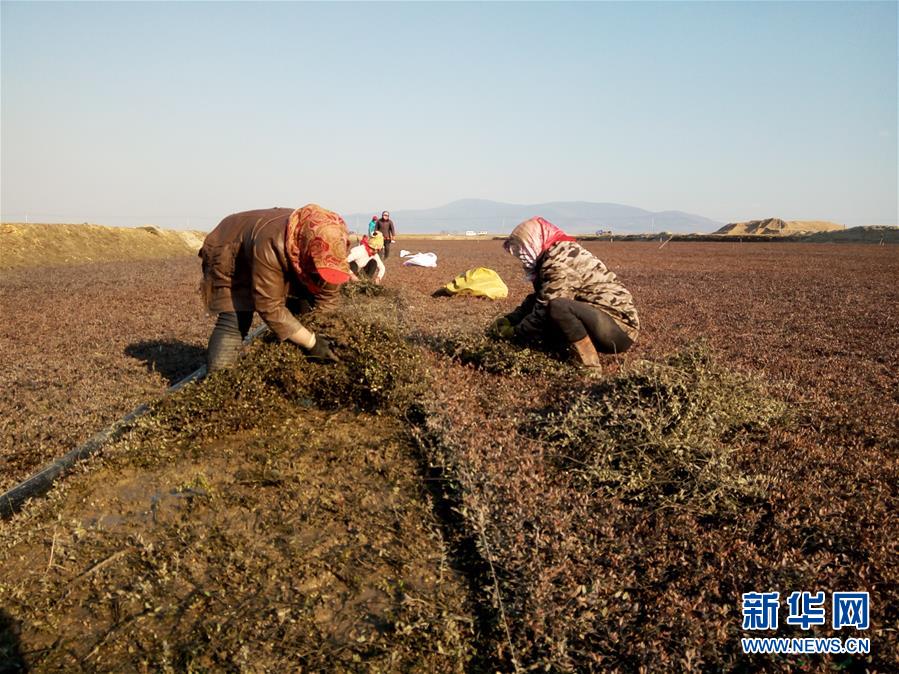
(38, 484)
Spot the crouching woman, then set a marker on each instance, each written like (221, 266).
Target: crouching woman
(575, 296)
(364, 260)
(265, 260)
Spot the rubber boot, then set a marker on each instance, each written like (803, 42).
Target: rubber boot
(225, 341)
(586, 353)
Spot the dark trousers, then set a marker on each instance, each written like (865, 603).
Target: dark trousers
(385, 251)
(368, 272)
(576, 320)
(232, 327)
(226, 339)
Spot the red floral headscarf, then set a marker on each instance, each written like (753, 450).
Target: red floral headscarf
(316, 241)
(529, 240)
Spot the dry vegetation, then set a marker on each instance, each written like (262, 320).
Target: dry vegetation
(441, 502)
(30, 245)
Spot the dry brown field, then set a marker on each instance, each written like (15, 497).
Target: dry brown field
(440, 503)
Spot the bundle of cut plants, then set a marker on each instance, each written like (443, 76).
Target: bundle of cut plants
(502, 357)
(661, 433)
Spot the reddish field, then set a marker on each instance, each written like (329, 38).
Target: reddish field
(575, 581)
(83, 345)
(819, 324)
(88, 343)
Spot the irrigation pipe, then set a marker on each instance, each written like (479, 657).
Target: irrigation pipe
(38, 484)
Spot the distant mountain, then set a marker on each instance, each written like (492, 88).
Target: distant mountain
(580, 217)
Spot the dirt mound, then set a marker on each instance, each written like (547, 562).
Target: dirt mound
(866, 234)
(777, 227)
(36, 245)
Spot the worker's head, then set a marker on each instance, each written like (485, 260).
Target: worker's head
(376, 241)
(374, 217)
(530, 240)
(517, 248)
(385, 215)
(316, 243)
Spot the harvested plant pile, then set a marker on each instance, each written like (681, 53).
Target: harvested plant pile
(661, 434)
(499, 357)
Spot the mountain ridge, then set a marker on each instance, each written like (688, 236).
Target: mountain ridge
(577, 217)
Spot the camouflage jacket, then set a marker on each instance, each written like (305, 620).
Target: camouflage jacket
(569, 270)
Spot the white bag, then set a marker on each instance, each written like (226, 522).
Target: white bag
(420, 260)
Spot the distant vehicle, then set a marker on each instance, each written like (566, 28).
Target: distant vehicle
(600, 232)
(470, 232)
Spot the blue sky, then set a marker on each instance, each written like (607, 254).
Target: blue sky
(180, 113)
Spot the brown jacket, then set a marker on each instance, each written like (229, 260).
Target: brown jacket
(245, 268)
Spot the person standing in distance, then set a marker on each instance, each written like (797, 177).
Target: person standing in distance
(385, 226)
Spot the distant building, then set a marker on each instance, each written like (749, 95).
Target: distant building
(470, 232)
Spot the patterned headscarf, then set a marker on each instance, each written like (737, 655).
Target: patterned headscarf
(316, 241)
(531, 239)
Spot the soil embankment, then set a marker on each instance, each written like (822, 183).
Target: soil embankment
(38, 245)
(778, 227)
(876, 234)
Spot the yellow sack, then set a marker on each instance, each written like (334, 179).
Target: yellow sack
(478, 282)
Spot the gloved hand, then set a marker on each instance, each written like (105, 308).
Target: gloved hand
(502, 327)
(321, 351)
